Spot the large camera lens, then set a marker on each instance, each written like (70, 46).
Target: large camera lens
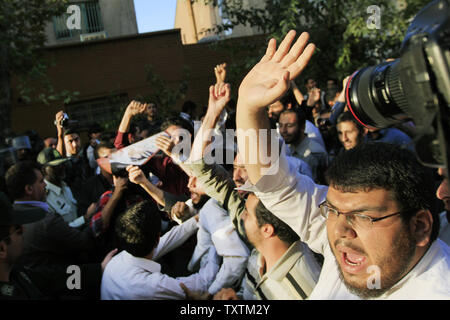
(375, 96)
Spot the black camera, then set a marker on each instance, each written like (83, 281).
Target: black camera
(414, 87)
(66, 122)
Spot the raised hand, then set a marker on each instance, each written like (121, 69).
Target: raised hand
(221, 73)
(269, 79)
(166, 144)
(219, 95)
(314, 97)
(136, 175)
(135, 107)
(341, 97)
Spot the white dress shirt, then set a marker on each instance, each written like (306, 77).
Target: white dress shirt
(61, 201)
(444, 232)
(132, 278)
(294, 198)
(311, 152)
(216, 230)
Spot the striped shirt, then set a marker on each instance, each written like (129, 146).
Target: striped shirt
(293, 277)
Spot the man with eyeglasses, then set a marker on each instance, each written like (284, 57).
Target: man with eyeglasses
(373, 224)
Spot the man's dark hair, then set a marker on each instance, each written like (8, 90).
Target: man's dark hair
(4, 233)
(101, 145)
(281, 229)
(138, 228)
(178, 121)
(20, 175)
(289, 98)
(72, 130)
(301, 116)
(347, 116)
(188, 106)
(94, 128)
(386, 166)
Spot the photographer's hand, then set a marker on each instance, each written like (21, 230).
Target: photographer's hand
(60, 132)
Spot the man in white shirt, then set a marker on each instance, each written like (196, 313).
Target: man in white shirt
(134, 273)
(443, 193)
(373, 224)
(59, 196)
(292, 129)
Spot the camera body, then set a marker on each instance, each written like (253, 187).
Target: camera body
(66, 122)
(414, 87)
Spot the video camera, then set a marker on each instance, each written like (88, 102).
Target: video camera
(414, 87)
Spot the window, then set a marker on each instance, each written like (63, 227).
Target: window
(101, 110)
(91, 21)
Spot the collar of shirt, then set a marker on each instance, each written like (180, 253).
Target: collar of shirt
(142, 263)
(284, 264)
(425, 263)
(39, 204)
(303, 149)
(54, 188)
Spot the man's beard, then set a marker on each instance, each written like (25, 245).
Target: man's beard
(392, 268)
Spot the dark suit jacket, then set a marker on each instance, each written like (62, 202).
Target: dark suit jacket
(51, 241)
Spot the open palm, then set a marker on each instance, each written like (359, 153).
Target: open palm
(269, 79)
(219, 95)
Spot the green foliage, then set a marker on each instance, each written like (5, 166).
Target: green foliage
(165, 94)
(338, 28)
(23, 35)
(23, 23)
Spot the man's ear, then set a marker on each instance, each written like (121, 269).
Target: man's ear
(3, 250)
(28, 189)
(365, 131)
(421, 227)
(267, 230)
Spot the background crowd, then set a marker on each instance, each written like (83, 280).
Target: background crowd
(171, 228)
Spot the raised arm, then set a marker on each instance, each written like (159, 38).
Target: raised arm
(60, 133)
(137, 176)
(219, 95)
(263, 85)
(297, 93)
(133, 109)
(220, 72)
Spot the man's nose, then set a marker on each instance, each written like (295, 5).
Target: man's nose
(342, 229)
(443, 190)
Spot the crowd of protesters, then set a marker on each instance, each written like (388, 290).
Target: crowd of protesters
(179, 226)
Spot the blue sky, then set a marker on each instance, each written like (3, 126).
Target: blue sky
(155, 15)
